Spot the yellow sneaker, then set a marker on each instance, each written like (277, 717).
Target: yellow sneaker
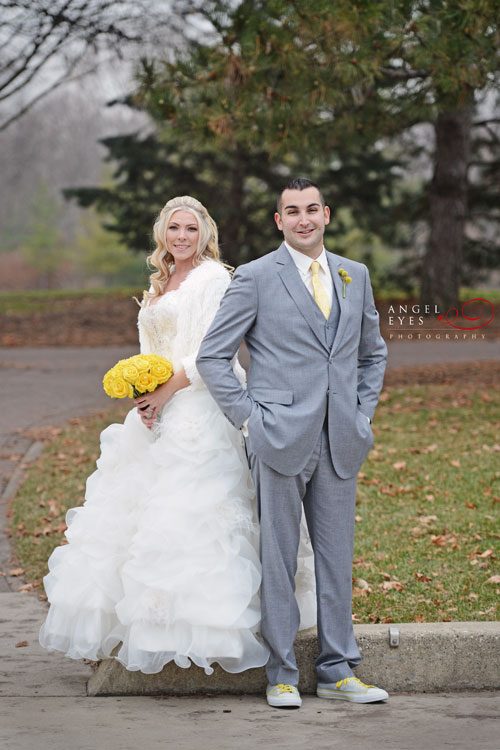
(351, 689)
(283, 696)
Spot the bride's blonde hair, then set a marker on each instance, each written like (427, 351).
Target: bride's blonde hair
(162, 259)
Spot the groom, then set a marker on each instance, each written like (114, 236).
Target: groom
(317, 366)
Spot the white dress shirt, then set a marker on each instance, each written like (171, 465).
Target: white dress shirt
(303, 263)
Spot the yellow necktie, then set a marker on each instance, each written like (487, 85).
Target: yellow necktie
(319, 290)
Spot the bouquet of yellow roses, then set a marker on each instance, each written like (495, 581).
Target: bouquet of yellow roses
(137, 375)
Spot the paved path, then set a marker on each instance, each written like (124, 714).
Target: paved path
(43, 703)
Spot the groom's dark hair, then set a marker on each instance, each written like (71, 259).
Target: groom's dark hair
(299, 183)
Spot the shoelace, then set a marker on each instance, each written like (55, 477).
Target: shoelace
(285, 688)
(347, 680)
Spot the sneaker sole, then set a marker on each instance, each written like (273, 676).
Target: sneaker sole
(353, 698)
(276, 703)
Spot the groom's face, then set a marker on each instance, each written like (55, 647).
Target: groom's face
(302, 219)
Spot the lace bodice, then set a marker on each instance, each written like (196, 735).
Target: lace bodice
(159, 322)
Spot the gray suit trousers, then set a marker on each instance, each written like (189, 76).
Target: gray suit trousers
(329, 506)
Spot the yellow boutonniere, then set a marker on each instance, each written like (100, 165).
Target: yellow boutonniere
(346, 279)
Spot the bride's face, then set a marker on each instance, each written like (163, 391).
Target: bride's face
(182, 235)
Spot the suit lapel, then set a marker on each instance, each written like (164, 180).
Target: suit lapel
(306, 305)
(335, 264)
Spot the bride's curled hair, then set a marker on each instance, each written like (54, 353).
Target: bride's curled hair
(162, 259)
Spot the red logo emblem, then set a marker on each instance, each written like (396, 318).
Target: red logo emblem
(444, 318)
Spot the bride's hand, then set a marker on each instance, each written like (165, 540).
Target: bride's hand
(149, 404)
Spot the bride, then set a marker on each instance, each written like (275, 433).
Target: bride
(162, 559)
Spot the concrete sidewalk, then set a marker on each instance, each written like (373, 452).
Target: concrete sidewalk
(454, 722)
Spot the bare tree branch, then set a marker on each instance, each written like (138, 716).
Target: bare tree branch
(481, 123)
(43, 42)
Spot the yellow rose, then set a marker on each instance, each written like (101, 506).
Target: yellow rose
(119, 388)
(108, 379)
(140, 362)
(161, 371)
(130, 373)
(146, 382)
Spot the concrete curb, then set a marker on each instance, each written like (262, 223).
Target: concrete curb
(34, 451)
(430, 657)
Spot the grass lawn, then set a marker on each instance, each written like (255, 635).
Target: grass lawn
(29, 302)
(427, 530)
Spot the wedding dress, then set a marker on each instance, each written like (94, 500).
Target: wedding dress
(162, 559)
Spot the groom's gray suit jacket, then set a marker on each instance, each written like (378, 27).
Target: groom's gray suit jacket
(303, 367)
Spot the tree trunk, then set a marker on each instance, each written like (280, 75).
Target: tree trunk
(442, 266)
(232, 222)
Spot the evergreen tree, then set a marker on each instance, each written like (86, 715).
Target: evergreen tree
(239, 188)
(310, 77)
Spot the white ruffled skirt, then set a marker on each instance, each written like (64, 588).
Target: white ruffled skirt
(162, 559)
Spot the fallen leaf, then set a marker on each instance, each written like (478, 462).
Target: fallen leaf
(438, 539)
(426, 520)
(418, 531)
(21, 644)
(493, 579)
(456, 463)
(361, 592)
(53, 509)
(490, 611)
(487, 553)
(362, 583)
(421, 577)
(470, 505)
(391, 585)
(430, 448)
(419, 618)
(16, 572)
(399, 465)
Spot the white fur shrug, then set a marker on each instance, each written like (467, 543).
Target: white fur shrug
(194, 306)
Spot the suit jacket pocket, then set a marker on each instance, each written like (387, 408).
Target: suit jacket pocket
(271, 395)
